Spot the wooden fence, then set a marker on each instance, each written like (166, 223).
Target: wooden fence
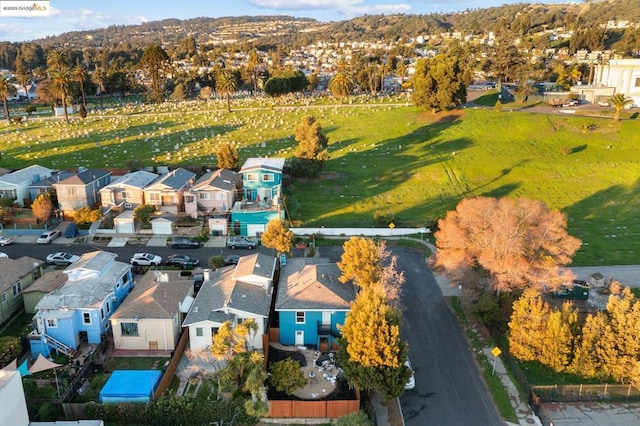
(313, 409)
(169, 373)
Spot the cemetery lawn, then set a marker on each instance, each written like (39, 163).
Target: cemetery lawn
(383, 157)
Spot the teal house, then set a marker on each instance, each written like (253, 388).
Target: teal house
(311, 303)
(261, 196)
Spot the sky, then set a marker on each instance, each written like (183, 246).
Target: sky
(77, 15)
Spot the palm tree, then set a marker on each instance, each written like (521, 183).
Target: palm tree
(6, 90)
(341, 85)
(80, 76)
(619, 101)
(60, 81)
(225, 85)
(57, 59)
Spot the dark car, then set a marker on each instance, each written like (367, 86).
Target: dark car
(182, 261)
(240, 242)
(184, 242)
(231, 260)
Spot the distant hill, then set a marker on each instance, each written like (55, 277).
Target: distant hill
(270, 30)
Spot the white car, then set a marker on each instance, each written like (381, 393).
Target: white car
(411, 383)
(145, 259)
(3, 254)
(48, 236)
(62, 258)
(5, 241)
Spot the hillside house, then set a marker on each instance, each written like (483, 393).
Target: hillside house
(17, 275)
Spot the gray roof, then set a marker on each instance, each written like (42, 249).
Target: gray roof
(138, 179)
(48, 282)
(50, 181)
(223, 291)
(312, 283)
(89, 281)
(15, 269)
(275, 164)
(84, 177)
(175, 179)
(223, 179)
(26, 174)
(257, 265)
(156, 296)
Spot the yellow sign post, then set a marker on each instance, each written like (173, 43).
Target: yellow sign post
(496, 353)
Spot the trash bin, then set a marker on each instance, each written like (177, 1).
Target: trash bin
(189, 266)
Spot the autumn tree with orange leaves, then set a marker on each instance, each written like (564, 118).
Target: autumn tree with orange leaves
(504, 244)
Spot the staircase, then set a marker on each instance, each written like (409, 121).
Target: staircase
(59, 346)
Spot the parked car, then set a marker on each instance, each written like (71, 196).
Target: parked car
(145, 259)
(411, 383)
(604, 103)
(232, 259)
(5, 241)
(71, 231)
(62, 258)
(240, 242)
(48, 236)
(3, 254)
(182, 261)
(184, 242)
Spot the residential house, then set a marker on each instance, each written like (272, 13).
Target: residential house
(45, 186)
(126, 191)
(79, 310)
(42, 286)
(151, 317)
(213, 194)
(311, 302)
(232, 294)
(167, 191)
(17, 275)
(621, 74)
(16, 184)
(81, 189)
(262, 180)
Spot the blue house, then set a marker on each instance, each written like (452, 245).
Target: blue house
(79, 311)
(262, 196)
(311, 303)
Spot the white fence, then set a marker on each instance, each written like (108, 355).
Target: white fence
(367, 232)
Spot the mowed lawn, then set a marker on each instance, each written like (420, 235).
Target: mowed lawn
(384, 157)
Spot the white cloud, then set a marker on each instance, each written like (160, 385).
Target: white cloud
(61, 21)
(344, 7)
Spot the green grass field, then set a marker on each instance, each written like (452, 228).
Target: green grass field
(384, 157)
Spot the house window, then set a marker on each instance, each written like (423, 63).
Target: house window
(214, 330)
(154, 198)
(203, 195)
(127, 195)
(86, 318)
(129, 328)
(102, 313)
(637, 81)
(199, 332)
(267, 177)
(71, 191)
(220, 196)
(52, 323)
(108, 307)
(240, 320)
(252, 177)
(17, 288)
(3, 297)
(300, 317)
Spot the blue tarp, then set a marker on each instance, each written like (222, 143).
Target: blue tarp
(130, 386)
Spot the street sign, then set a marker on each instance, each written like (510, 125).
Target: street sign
(391, 225)
(496, 351)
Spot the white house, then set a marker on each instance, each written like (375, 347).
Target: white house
(16, 184)
(621, 74)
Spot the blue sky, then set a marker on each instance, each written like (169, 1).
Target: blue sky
(77, 15)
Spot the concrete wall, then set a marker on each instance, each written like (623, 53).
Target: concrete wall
(367, 232)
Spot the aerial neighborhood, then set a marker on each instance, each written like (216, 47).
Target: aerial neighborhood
(386, 220)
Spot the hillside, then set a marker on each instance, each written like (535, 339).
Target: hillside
(270, 30)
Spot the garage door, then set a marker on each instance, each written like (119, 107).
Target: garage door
(124, 227)
(161, 227)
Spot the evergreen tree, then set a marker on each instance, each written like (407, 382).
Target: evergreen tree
(227, 155)
(586, 361)
(155, 61)
(557, 347)
(312, 152)
(527, 328)
(438, 83)
(6, 90)
(277, 236)
(360, 262)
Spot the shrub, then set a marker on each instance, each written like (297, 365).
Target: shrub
(498, 106)
(383, 218)
(354, 419)
(30, 109)
(17, 120)
(216, 262)
(286, 376)
(85, 215)
(10, 348)
(49, 413)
